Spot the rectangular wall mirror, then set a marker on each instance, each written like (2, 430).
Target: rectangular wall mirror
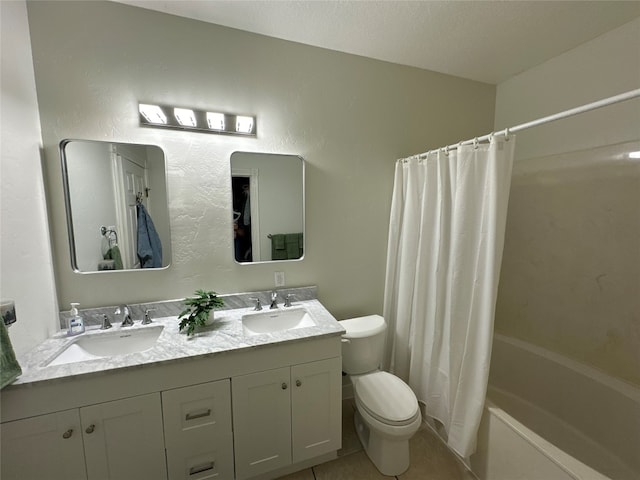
(116, 203)
(268, 207)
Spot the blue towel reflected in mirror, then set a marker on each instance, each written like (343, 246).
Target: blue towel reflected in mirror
(149, 245)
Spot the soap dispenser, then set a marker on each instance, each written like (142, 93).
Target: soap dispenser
(76, 322)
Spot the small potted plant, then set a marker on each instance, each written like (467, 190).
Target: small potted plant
(199, 310)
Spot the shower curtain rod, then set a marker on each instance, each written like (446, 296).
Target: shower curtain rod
(540, 121)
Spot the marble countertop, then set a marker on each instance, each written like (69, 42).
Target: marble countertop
(225, 335)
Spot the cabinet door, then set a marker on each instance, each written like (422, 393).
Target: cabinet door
(316, 408)
(261, 422)
(124, 440)
(197, 431)
(47, 446)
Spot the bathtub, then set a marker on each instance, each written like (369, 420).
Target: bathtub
(548, 417)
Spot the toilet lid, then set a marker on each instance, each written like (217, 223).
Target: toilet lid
(386, 398)
(362, 327)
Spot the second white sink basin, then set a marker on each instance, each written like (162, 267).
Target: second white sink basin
(108, 344)
(276, 321)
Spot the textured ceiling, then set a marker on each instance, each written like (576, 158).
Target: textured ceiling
(488, 41)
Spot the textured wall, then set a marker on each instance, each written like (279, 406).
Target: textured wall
(347, 116)
(26, 270)
(570, 278)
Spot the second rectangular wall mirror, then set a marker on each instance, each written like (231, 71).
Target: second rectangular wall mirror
(116, 203)
(268, 207)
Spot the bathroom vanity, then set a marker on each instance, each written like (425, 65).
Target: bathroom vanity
(226, 403)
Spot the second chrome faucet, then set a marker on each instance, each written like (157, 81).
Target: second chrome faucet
(274, 300)
(125, 311)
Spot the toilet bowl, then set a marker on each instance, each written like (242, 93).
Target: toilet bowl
(387, 412)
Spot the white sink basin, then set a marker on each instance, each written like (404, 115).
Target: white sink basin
(108, 344)
(276, 321)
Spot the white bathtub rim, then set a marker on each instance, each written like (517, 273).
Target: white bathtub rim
(570, 465)
(622, 387)
(607, 461)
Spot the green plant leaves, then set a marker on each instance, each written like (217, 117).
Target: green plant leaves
(197, 310)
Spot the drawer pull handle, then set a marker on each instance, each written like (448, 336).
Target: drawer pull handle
(90, 428)
(284, 386)
(201, 468)
(193, 416)
(67, 434)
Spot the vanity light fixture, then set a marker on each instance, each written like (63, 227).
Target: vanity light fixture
(215, 121)
(191, 119)
(153, 114)
(244, 124)
(634, 155)
(185, 117)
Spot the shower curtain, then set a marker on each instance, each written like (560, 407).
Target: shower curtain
(446, 237)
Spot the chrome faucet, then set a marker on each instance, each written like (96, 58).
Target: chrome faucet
(274, 300)
(287, 299)
(258, 305)
(146, 320)
(106, 324)
(125, 311)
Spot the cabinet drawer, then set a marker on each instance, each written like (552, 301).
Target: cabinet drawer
(197, 430)
(197, 413)
(203, 463)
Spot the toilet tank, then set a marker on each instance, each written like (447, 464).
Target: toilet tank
(363, 344)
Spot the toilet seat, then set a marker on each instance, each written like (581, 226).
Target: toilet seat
(386, 398)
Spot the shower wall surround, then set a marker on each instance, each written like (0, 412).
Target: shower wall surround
(571, 265)
(349, 117)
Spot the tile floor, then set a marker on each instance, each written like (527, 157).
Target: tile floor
(430, 459)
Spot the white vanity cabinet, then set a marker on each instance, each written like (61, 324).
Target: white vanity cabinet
(116, 440)
(197, 431)
(123, 439)
(220, 405)
(316, 408)
(46, 446)
(286, 415)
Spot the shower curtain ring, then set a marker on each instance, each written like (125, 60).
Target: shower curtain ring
(506, 134)
(475, 143)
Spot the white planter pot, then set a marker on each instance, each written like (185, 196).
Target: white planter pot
(211, 319)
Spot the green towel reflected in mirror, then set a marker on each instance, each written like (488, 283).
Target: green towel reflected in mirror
(287, 246)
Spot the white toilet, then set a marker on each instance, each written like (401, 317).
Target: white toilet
(387, 413)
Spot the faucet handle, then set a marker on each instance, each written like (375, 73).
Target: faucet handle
(106, 324)
(274, 300)
(258, 305)
(125, 311)
(287, 299)
(146, 320)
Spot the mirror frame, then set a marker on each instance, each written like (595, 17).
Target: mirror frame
(68, 209)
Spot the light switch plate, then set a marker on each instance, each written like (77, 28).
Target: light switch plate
(279, 279)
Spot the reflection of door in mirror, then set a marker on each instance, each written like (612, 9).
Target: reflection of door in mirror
(242, 219)
(130, 182)
(245, 197)
(103, 184)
